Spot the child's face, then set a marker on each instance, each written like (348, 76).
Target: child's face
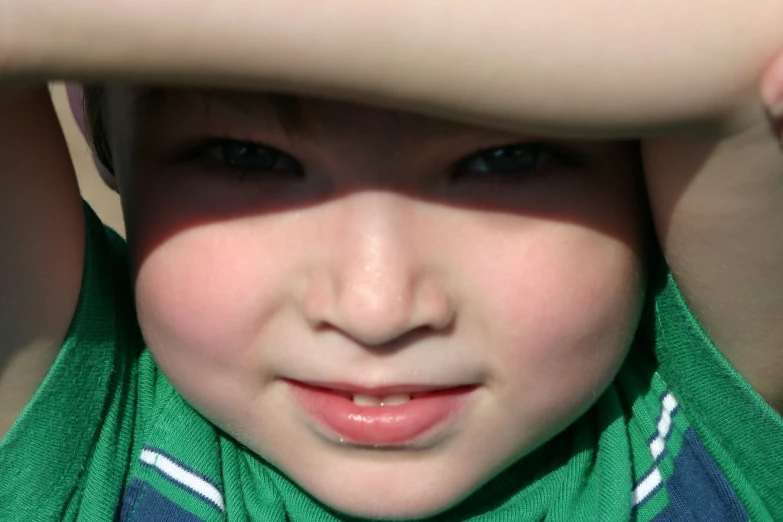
(381, 254)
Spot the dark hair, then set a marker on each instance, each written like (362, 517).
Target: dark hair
(286, 107)
(95, 120)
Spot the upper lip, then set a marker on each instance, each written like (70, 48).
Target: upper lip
(381, 390)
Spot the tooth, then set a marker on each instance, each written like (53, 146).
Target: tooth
(396, 399)
(366, 400)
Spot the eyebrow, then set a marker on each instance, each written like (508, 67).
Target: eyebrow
(289, 112)
(147, 99)
(287, 108)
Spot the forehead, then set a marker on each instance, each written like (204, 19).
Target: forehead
(164, 115)
(297, 115)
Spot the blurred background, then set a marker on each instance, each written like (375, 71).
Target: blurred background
(103, 200)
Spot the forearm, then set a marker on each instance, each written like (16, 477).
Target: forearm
(42, 245)
(592, 66)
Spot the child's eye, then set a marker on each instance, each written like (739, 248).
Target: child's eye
(251, 157)
(511, 160)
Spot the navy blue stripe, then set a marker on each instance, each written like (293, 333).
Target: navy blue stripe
(141, 502)
(698, 490)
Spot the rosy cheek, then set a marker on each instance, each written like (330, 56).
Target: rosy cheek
(198, 295)
(556, 327)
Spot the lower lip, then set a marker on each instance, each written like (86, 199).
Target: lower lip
(380, 425)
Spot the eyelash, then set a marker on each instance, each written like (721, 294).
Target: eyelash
(539, 156)
(209, 152)
(479, 165)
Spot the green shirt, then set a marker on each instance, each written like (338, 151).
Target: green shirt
(677, 436)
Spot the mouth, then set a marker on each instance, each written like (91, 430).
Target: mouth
(380, 417)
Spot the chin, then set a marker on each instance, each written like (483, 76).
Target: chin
(403, 490)
(400, 504)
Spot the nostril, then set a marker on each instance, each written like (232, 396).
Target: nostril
(376, 326)
(435, 306)
(317, 302)
(387, 328)
(383, 315)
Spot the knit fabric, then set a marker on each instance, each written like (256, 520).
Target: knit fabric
(677, 436)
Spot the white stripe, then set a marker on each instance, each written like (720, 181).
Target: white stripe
(646, 486)
(182, 476)
(669, 402)
(668, 405)
(665, 423)
(657, 446)
(148, 457)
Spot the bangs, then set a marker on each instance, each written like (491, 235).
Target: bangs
(287, 109)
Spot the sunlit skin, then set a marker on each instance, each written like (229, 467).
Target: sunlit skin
(393, 256)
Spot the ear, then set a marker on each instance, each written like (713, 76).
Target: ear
(76, 101)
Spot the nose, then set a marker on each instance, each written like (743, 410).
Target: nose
(376, 282)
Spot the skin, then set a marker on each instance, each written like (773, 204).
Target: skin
(36, 308)
(378, 268)
(641, 67)
(687, 68)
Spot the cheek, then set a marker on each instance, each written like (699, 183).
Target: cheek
(204, 292)
(561, 311)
